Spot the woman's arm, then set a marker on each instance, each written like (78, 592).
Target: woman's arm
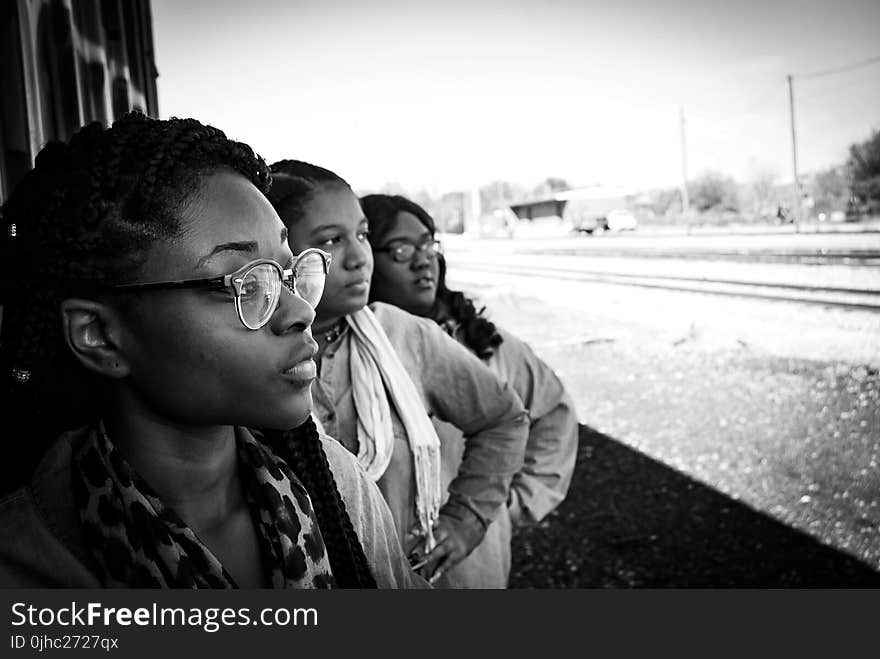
(543, 482)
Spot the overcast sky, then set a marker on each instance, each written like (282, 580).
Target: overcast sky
(449, 94)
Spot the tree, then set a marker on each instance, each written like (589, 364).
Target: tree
(500, 194)
(666, 201)
(762, 190)
(831, 189)
(864, 169)
(550, 186)
(557, 184)
(713, 191)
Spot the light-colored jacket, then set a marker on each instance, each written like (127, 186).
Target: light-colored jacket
(543, 481)
(456, 387)
(43, 546)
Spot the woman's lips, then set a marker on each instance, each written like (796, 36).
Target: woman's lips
(424, 283)
(301, 373)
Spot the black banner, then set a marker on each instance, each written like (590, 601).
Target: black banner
(257, 623)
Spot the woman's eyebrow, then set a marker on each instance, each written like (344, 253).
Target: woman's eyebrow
(324, 227)
(249, 246)
(422, 236)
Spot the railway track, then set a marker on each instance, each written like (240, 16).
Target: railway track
(845, 257)
(826, 296)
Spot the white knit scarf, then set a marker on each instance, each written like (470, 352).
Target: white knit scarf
(377, 371)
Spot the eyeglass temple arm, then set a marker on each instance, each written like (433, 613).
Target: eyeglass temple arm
(223, 281)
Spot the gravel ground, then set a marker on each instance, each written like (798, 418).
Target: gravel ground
(706, 460)
(768, 446)
(799, 440)
(632, 522)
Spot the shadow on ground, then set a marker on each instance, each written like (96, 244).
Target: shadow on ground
(630, 521)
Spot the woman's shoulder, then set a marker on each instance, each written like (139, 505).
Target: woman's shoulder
(21, 525)
(513, 343)
(399, 324)
(351, 480)
(534, 380)
(342, 461)
(15, 505)
(409, 334)
(395, 319)
(40, 543)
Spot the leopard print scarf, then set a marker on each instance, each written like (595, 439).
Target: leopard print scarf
(138, 542)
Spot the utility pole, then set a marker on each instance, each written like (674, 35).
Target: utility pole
(796, 209)
(685, 200)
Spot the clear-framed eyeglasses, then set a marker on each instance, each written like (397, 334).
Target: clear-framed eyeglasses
(404, 250)
(258, 284)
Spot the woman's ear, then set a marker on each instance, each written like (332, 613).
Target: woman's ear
(92, 331)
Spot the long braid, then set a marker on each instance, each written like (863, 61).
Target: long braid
(301, 449)
(478, 332)
(85, 217)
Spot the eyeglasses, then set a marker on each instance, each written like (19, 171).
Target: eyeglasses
(403, 251)
(257, 285)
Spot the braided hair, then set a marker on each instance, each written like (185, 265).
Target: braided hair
(294, 184)
(479, 333)
(84, 218)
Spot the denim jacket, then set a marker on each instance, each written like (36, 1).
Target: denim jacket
(43, 545)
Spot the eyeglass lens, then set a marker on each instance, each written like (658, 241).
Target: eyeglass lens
(259, 294)
(405, 251)
(261, 287)
(309, 278)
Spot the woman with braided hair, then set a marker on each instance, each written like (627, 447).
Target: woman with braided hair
(153, 312)
(383, 373)
(410, 272)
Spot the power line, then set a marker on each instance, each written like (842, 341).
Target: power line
(839, 69)
(841, 86)
(794, 150)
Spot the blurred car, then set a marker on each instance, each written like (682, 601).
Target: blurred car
(620, 220)
(614, 220)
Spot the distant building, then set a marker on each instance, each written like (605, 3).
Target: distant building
(595, 199)
(537, 208)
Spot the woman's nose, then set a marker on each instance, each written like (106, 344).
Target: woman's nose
(421, 259)
(356, 255)
(293, 313)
